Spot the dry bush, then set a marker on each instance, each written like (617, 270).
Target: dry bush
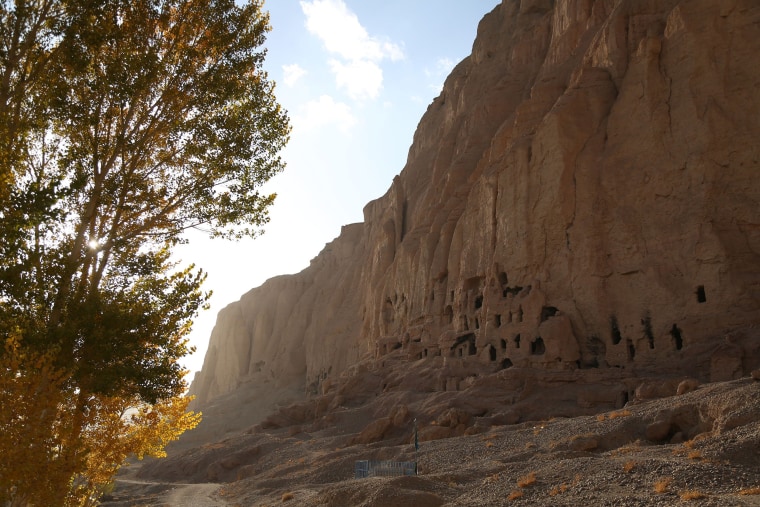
(661, 486)
(489, 444)
(600, 417)
(527, 480)
(556, 490)
(692, 495)
(530, 445)
(750, 491)
(514, 495)
(628, 466)
(628, 448)
(620, 413)
(287, 496)
(690, 443)
(491, 478)
(695, 455)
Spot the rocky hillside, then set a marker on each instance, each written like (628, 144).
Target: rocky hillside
(580, 207)
(701, 446)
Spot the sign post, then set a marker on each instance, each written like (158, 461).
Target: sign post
(416, 448)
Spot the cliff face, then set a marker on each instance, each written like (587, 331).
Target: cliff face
(583, 194)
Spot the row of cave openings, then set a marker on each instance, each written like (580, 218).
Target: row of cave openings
(598, 348)
(465, 346)
(676, 333)
(616, 337)
(498, 319)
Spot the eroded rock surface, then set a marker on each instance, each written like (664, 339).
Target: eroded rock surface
(580, 205)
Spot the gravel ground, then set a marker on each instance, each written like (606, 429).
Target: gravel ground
(709, 457)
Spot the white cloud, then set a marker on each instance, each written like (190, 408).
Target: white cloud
(362, 79)
(324, 112)
(292, 73)
(443, 68)
(344, 36)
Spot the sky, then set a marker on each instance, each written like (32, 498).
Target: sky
(356, 77)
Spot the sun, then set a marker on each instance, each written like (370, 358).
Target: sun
(94, 245)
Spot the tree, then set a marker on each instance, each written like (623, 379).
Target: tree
(122, 124)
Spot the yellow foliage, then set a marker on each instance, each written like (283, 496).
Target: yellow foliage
(76, 442)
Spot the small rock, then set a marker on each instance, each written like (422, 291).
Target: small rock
(686, 386)
(658, 431)
(755, 374)
(584, 444)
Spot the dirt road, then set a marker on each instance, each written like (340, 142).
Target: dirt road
(130, 491)
(194, 495)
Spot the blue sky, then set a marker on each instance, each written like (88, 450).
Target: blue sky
(355, 77)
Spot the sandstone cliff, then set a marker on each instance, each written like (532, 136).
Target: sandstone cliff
(582, 197)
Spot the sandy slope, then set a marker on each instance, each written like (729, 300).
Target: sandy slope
(709, 449)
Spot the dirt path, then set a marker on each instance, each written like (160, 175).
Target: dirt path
(194, 495)
(129, 490)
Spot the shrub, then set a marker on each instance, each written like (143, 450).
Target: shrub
(527, 480)
(287, 496)
(692, 495)
(556, 490)
(514, 495)
(661, 486)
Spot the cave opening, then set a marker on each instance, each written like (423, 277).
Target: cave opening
(615, 331)
(479, 301)
(675, 332)
(469, 340)
(701, 296)
(647, 323)
(511, 290)
(497, 320)
(547, 312)
(506, 363)
(517, 341)
(448, 313)
(537, 347)
(492, 353)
